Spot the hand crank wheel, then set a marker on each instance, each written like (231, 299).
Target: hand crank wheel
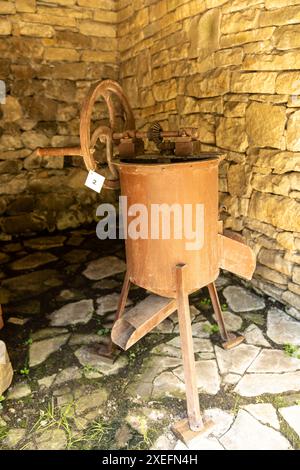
(104, 89)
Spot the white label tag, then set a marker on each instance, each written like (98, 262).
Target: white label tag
(94, 181)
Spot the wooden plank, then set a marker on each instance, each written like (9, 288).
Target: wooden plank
(148, 307)
(138, 321)
(123, 297)
(218, 311)
(236, 257)
(121, 332)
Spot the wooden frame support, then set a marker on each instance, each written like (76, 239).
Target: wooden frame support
(188, 429)
(218, 311)
(128, 328)
(123, 297)
(185, 329)
(141, 319)
(107, 351)
(230, 340)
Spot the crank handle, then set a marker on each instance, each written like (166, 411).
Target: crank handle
(59, 152)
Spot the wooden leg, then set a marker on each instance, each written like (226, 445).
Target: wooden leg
(123, 297)
(185, 328)
(230, 340)
(187, 430)
(120, 309)
(218, 311)
(1, 318)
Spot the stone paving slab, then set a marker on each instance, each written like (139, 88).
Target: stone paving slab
(291, 414)
(52, 439)
(247, 388)
(104, 267)
(249, 434)
(207, 375)
(32, 261)
(252, 385)
(236, 360)
(168, 384)
(231, 379)
(265, 413)
(233, 322)
(293, 312)
(73, 313)
(253, 335)
(222, 419)
(274, 361)
(283, 329)
(26, 285)
(20, 390)
(39, 351)
(109, 303)
(14, 436)
(241, 300)
(45, 243)
(200, 344)
(88, 356)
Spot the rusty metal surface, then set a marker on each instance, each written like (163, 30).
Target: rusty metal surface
(104, 89)
(151, 262)
(130, 141)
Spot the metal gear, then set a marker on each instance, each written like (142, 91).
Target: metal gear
(153, 134)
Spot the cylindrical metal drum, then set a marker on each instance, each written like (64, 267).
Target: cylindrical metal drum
(180, 203)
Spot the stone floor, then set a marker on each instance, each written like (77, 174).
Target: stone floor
(60, 293)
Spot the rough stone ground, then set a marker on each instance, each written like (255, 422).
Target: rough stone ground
(60, 294)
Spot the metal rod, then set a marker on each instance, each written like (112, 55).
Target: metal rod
(144, 134)
(59, 151)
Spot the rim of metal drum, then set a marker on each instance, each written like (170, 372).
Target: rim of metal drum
(153, 167)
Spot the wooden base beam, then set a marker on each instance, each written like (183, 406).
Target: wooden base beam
(229, 339)
(187, 349)
(233, 341)
(182, 430)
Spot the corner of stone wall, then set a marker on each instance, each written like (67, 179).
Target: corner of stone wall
(232, 69)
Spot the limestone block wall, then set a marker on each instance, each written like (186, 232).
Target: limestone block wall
(50, 53)
(232, 69)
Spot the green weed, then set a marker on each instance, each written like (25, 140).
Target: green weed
(205, 301)
(89, 368)
(60, 418)
(211, 328)
(292, 350)
(25, 371)
(103, 332)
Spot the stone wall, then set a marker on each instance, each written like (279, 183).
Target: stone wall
(229, 67)
(50, 53)
(232, 69)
